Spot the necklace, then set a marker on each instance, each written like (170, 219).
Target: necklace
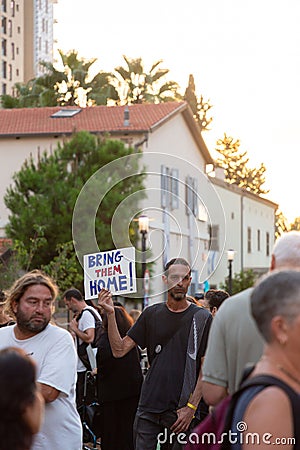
(288, 374)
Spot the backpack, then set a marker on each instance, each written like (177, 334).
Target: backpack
(82, 348)
(98, 323)
(213, 432)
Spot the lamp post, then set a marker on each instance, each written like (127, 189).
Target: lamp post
(230, 258)
(143, 229)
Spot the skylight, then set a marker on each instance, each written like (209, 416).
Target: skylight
(66, 113)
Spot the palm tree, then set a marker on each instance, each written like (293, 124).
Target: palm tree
(136, 86)
(78, 85)
(71, 86)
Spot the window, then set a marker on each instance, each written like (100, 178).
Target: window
(191, 196)
(169, 185)
(267, 244)
(3, 3)
(258, 240)
(249, 247)
(213, 231)
(4, 69)
(66, 113)
(12, 51)
(12, 7)
(3, 88)
(10, 72)
(10, 28)
(4, 25)
(3, 45)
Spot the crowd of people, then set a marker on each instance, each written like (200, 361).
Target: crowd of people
(198, 351)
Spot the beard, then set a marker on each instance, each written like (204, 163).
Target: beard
(177, 295)
(29, 325)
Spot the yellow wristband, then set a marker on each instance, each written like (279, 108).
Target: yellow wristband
(191, 406)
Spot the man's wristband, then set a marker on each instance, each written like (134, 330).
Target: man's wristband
(190, 405)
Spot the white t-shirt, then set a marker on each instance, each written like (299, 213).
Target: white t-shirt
(54, 352)
(85, 322)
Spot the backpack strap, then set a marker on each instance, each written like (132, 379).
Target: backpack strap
(93, 314)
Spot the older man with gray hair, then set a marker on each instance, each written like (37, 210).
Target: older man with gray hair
(234, 340)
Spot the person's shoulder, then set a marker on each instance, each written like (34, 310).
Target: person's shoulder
(270, 399)
(238, 301)
(93, 311)
(6, 331)
(56, 331)
(154, 307)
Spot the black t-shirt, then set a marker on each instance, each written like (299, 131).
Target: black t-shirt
(174, 341)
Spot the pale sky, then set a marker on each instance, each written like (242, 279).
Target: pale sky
(244, 55)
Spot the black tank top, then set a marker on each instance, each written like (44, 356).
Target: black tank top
(246, 397)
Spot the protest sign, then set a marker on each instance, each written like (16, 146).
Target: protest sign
(112, 269)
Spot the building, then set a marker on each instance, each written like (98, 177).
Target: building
(26, 39)
(186, 207)
(250, 231)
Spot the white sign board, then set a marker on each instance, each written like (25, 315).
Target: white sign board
(112, 269)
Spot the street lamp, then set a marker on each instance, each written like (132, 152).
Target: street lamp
(144, 229)
(230, 258)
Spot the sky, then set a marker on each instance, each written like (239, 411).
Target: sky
(244, 55)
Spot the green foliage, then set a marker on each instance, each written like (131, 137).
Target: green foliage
(65, 268)
(296, 224)
(71, 86)
(20, 257)
(45, 191)
(199, 107)
(240, 281)
(281, 224)
(235, 164)
(135, 85)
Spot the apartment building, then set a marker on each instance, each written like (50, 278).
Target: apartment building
(26, 39)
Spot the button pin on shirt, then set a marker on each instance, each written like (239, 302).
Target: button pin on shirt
(158, 349)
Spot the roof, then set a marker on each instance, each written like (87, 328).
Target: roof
(22, 122)
(242, 192)
(94, 119)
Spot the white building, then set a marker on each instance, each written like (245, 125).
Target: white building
(190, 213)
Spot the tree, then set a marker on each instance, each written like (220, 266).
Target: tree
(199, 107)
(45, 192)
(281, 224)
(71, 86)
(296, 224)
(235, 164)
(135, 85)
(240, 281)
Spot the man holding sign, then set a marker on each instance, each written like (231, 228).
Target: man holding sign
(175, 335)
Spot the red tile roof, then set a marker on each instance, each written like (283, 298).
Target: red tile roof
(96, 119)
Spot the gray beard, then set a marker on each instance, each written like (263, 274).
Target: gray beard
(177, 297)
(26, 326)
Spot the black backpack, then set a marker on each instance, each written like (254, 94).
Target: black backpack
(98, 323)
